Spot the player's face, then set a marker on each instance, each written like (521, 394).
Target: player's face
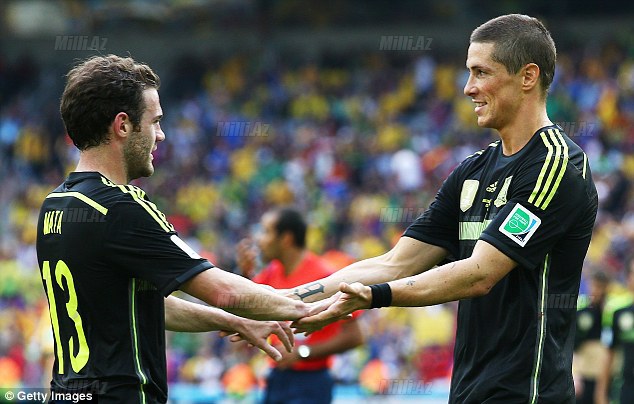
(140, 145)
(268, 239)
(496, 93)
(597, 291)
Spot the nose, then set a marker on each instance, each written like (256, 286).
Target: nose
(160, 135)
(469, 87)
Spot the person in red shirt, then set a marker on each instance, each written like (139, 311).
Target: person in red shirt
(302, 376)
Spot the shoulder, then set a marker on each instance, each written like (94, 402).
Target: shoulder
(480, 156)
(473, 163)
(132, 201)
(624, 319)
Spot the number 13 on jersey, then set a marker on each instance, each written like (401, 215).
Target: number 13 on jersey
(78, 361)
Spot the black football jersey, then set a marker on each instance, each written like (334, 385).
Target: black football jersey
(108, 257)
(538, 207)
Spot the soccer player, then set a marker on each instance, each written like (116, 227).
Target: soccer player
(302, 376)
(109, 259)
(589, 350)
(622, 339)
(509, 227)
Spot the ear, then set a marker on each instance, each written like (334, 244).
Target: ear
(530, 76)
(121, 125)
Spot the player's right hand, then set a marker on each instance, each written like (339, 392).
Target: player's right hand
(256, 333)
(246, 257)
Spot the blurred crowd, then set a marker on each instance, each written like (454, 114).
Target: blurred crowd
(360, 144)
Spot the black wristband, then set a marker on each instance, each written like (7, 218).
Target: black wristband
(381, 295)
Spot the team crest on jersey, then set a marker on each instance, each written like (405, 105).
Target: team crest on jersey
(500, 200)
(468, 193)
(626, 321)
(520, 225)
(585, 321)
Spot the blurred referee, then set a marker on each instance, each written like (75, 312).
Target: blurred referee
(514, 221)
(109, 259)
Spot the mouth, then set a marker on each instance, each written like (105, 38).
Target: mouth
(479, 105)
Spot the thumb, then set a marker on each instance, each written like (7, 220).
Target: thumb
(345, 287)
(353, 289)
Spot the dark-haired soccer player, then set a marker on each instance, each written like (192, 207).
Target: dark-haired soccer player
(109, 259)
(514, 220)
(622, 340)
(302, 376)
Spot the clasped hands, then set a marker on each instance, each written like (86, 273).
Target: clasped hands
(315, 316)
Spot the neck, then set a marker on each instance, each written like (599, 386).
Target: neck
(519, 132)
(291, 258)
(97, 159)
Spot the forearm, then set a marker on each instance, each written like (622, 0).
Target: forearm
(242, 297)
(349, 337)
(409, 257)
(471, 277)
(453, 281)
(181, 315)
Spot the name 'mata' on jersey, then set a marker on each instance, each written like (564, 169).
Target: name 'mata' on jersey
(107, 258)
(538, 207)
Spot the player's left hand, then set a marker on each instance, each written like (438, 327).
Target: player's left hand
(256, 333)
(350, 298)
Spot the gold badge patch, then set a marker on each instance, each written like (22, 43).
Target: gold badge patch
(468, 193)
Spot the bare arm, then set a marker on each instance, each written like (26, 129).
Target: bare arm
(604, 379)
(348, 337)
(408, 257)
(244, 298)
(181, 315)
(470, 277)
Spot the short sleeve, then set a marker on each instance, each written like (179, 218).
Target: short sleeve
(541, 209)
(142, 243)
(438, 225)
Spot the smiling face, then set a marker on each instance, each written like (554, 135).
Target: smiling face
(496, 93)
(138, 149)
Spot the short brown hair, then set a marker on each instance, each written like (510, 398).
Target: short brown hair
(97, 90)
(518, 40)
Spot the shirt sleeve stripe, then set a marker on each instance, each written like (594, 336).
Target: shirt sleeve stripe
(149, 207)
(544, 170)
(98, 207)
(562, 169)
(552, 169)
(585, 164)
